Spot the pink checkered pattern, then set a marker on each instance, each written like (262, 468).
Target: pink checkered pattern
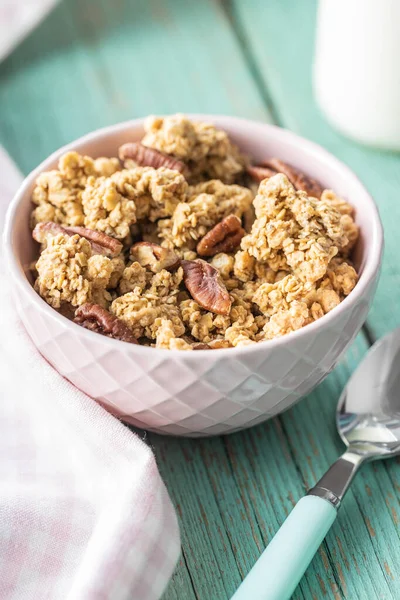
(84, 514)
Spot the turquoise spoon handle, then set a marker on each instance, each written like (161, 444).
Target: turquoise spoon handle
(282, 564)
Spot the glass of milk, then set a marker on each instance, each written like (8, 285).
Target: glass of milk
(357, 69)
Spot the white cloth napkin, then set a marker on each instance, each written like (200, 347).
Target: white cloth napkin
(18, 18)
(84, 514)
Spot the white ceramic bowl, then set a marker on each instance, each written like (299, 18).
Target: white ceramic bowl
(204, 392)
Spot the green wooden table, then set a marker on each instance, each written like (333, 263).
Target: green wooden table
(97, 62)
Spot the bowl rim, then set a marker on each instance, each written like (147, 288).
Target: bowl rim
(371, 267)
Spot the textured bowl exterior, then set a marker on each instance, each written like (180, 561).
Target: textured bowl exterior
(217, 393)
(205, 392)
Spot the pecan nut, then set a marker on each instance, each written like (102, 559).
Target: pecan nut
(217, 344)
(201, 346)
(46, 230)
(149, 157)
(98, 319)
(258, 172)
(206, 287)
(299, 180)
(153, 256)
(100, 242)
(213, 345)
(224, 237)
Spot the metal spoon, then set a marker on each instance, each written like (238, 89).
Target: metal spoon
(368, 421)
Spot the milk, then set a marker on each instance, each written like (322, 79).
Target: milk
(357, 68)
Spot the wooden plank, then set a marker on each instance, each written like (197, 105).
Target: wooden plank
(278, 37)
(180, 585)
(93, 63)
(232, 466)
(256, 484)
(331, 572)
(272, 37)
(315, 445)
(205, 541)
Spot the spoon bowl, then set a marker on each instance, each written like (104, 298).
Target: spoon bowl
(368, 415)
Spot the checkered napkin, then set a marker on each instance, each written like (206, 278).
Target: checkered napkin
(84, 514)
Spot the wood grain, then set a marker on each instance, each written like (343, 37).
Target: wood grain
(271, 35)
(279, 39)
(96, 62)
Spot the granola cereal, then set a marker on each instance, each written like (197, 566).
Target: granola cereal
(98, 319)
(294, 232)
(207, 151)
(170, 246)
(58, 193)
(166, 337)
(143, 312)
(68, 272)
(206, 205)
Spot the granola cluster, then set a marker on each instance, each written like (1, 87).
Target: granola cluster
(168, 246)
(207, 152)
